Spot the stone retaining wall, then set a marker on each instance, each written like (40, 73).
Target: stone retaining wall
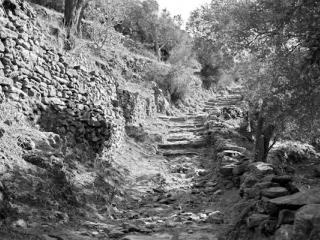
(61, 98)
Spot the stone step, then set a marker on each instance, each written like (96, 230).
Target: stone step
(182, 139)
(216, 104)
(188, 135)
(177, 153)
(200, 131)
(182, 152)
(187, 126)
(183, 144)
(183, 119)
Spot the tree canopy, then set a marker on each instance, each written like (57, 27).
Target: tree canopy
(275, 44)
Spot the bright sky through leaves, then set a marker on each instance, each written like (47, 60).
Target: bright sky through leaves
(182, 7)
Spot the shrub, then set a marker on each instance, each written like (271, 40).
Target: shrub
(177, 83)
(103, 16)
(174, 81)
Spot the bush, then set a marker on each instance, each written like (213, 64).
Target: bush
(177, 83)
(174, 81)
(102, 16)
(294, 151)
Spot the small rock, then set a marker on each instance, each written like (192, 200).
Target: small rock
(8, 122)
(116, 233)
(94, 233)
(2, 132)
(190, 231)
(274, 192)
(218, 192)
(262, 168)
(2, 48)
(227, 170)
(26, 143)
(20, 224)
(215, 217)
(316, 171)
(282, 179)
(286, 216)
(285, 232)
(255, 219)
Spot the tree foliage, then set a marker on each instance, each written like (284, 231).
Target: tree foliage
(275, 44)
(145, 23)
(103, 15)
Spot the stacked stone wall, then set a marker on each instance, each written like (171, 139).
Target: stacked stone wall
(84, 107)
(60, 97)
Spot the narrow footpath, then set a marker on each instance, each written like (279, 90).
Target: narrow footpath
(188, 203)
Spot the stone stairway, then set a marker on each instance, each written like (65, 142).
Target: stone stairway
(180, 209)
(213, 105)
(186, 135)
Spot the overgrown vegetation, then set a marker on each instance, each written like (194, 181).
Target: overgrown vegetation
(275, 47)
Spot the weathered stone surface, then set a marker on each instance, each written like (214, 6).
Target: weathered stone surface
(307, 223)
(286, 216)
(26, 143)
(275, 192)
(261, 168)
(285, 232)
(6, 81)
(256, 219)
(311, 196)
(284, 179)
(227, 170)
(215, 217)
(1, 47)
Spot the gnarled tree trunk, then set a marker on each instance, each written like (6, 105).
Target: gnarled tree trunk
(263, 136)
(73, 13)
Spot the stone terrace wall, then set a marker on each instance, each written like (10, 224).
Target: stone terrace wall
(135, 106)
(60, 98)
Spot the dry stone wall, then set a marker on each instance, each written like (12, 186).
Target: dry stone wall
(84, 107)
(135, 106)
(61, 98)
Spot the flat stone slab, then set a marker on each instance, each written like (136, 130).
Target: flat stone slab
(262, 167)
(163, 236)
(275, 192)
(311, 196)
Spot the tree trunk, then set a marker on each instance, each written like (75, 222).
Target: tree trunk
(72, 15)
(259, 144)
(81, 16)
(268, 132)
(157, 50)
(263, 138)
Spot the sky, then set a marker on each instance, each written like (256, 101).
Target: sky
(182, 7)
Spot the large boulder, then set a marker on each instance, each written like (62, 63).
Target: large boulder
(299, 199)
(307, 223)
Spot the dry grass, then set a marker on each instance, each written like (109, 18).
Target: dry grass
(15, 127)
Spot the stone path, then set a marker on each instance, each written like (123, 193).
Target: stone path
(191, 206)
